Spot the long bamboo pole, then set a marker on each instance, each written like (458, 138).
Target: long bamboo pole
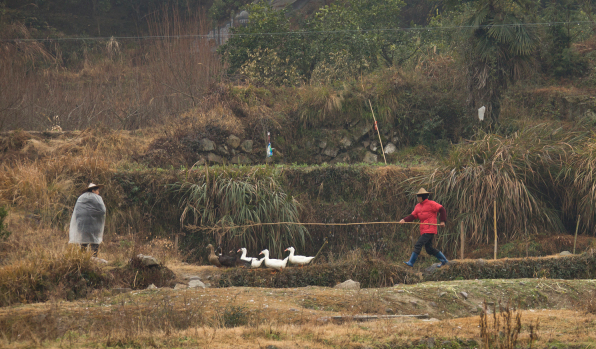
(378, 132)
(193, 227)
(576, 229)
(495, 217)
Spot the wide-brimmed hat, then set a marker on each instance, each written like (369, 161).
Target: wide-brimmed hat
(93, 186)
(422, 191)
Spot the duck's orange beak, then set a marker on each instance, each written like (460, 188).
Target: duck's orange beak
(238, 250)
(286, 249)
(260, 253)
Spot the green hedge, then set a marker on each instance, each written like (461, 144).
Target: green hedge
(565, 267)
(370, 273)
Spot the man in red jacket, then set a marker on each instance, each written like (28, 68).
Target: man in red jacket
(426, 211)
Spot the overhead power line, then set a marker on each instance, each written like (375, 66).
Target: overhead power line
(312, 32)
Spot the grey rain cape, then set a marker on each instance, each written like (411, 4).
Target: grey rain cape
(88, 220)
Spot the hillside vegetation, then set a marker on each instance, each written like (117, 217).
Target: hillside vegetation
(363, 102)
(176, 126)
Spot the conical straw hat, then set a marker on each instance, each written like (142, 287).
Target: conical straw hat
(422, 191)
(92, 186)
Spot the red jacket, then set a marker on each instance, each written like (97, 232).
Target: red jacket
(426, 212)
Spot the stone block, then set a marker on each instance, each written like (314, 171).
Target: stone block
(206, 144)
(246, 146)
(233, 141)
(332, 152)
(370, 158)
(214, 158)
(349, 285)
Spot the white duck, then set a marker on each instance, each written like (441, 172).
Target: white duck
(274, 263)
(254, 262)
(299, 260)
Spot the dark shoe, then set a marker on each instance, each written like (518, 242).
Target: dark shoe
(441, 257)
(412, 259)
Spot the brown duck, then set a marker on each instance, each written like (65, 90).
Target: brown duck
(213, 258)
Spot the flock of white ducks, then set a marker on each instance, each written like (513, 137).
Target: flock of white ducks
(277, 264)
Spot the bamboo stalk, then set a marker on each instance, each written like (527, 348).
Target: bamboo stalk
(461, 256)
(576, 229)
(378, 132)
(495, 217)
(176, 243)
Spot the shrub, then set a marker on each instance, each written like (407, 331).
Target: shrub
(4, 234)
(234, 316)
(266, 67)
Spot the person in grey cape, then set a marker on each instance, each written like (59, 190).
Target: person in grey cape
(88, 219)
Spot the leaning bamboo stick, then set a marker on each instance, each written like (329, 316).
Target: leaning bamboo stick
(321, 249)
(378, 132)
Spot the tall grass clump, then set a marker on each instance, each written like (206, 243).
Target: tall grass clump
(221, 204)
(522, 173)
(579, 200)
(67, 274)
(506, 327)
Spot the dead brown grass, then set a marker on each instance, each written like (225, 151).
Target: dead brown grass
(44, 274)
(272, 324)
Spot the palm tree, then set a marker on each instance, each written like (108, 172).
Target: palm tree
(498, 51)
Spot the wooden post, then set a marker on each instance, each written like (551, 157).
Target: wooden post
(576, 229)
(463, 239)
(495, 216)
(378, 132)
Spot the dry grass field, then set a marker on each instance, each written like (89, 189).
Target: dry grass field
(563, 315)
